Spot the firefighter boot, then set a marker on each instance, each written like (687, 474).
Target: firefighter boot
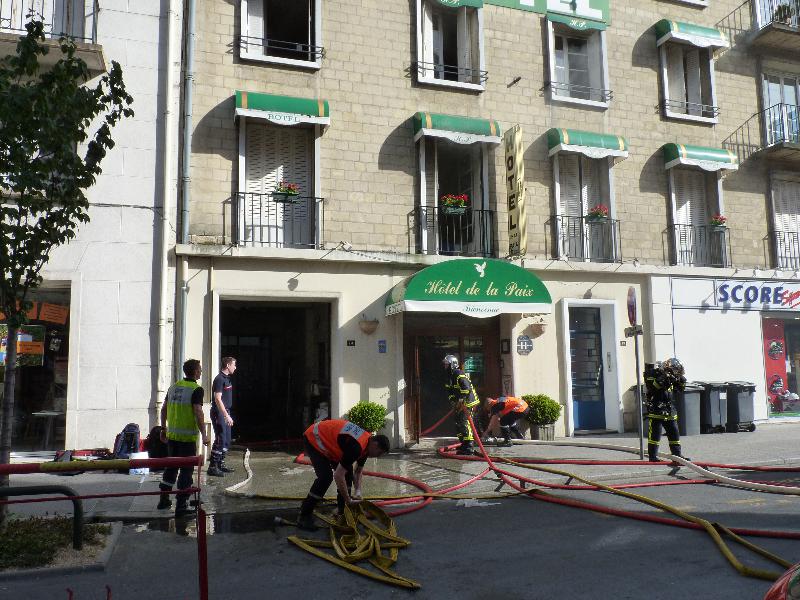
(306, 518)
(223, 467)
(214, 470)
(465, 449)
(506, 431)
(164, 501)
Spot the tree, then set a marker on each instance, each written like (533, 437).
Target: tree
(45, 115)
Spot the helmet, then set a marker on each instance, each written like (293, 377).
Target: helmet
(450, 361)
(673, 364)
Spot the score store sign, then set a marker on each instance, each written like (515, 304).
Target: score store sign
(761, 295)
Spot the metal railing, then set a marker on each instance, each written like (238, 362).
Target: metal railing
(281, 49)
(787, 249)
(279, 220)
(694, 109)
(451, 73)
(468, 233)
(737, 22)
(62, 18)
(588, 239)
(768, 12)
(777, 124)
(702, 245)
(582, 92)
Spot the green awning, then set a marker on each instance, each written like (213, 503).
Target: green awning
(461, 130)
(457, 3)
(696, 35)
(574, 22)
(593, 145)
(477, 287)
(708, 159)
(282, 110)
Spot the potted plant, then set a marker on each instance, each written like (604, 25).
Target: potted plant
(599, 212)
(286, 192)
(784, 13)
(718, 222)
(370, 416)
(543, 413)
(454, 204)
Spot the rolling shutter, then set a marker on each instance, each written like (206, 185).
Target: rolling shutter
(693, 87)
(690, 198)
(675, 75)
(787, 206)
(569, 182)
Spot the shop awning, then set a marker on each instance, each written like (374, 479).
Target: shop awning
(708, 159)
(457, 3)
(282, 110)
(477, 287)
(461, 130)
(696, 35)
(593, 145)
(574, 22)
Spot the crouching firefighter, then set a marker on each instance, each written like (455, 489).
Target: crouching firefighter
(463, 399)
(662, 381)
(506, 412)
(333, 446)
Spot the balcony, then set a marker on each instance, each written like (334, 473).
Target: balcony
(773, 133)
(702, 246)
(678, 108)
(567, 91)
(76, 19)
(278, 220)
(428, 72)
(787, 249)
(438, 231)
(586, 239)
(259, 48)
(768, 25)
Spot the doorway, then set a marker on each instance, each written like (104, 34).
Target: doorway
(428, 338)
(586, 368)
(283, 366)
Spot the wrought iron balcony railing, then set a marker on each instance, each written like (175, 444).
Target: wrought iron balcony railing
(581, 92)
(444, 232)
(776, 11)
(777, 124)
(754, 17)
(693, 109)
(281, 49)
(702, 245)
(62, 18)
(279, 220)
(451, 73)
(787, 249)
(588, 239)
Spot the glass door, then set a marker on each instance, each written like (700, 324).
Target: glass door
(781, 118)
(586, 365)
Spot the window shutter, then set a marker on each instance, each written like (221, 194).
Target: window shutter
(592, 183)
(464, 40)
(560, 59)
(690, 198)
(595, 61)
(427, 37)
(787, 206)
(569, 181)
(676, 90)
(255, 21)
(694, 94)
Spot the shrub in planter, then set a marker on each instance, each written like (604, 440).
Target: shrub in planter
(370, 416)
(543, 409)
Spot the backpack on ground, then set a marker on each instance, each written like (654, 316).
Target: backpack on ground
(154, 446)
(127, 441)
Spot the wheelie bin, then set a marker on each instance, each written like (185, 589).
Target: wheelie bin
(688, 404)
(713, 406)
(740, 406)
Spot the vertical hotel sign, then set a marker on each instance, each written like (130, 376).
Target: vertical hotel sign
(515, 187)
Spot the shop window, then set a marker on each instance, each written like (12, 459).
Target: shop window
(450, 45)
(578, 69)
(276, 202)
(696, 197)
(466, 226)
(282, 31)
(688, 76)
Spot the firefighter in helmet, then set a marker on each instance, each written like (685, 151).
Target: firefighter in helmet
(662, 381)
(463, 399)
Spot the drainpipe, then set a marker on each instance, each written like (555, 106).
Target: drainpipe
(166, 197)
(188, 81)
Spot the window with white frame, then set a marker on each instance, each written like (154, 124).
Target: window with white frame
(696, 196)
(786, 208)
(466, 227)
(688, 76)
(582, 184)
(281, 31)
(578, 67)
(450, 45)
(276, 201)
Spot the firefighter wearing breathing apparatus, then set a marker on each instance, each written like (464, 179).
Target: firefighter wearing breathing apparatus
(463, 399)
(662, 381)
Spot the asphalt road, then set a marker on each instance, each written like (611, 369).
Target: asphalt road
(512, 549)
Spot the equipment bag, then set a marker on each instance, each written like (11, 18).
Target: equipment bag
(128, 441)
(153, 444)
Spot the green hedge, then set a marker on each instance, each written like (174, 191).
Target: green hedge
(543, 409)
(370, 416)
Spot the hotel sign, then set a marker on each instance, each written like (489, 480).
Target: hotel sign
(515, 188)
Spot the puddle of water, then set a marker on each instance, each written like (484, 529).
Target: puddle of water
(240, 523)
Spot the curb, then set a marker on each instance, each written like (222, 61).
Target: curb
(99, 565)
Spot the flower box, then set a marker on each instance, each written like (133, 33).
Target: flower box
(454, 210)
(285, 197)
(454, 204)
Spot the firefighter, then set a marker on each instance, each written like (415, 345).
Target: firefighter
(463, 399)
(662, 382)
(333, 446)
(221, 419)
(505, 412)
(181, 423)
